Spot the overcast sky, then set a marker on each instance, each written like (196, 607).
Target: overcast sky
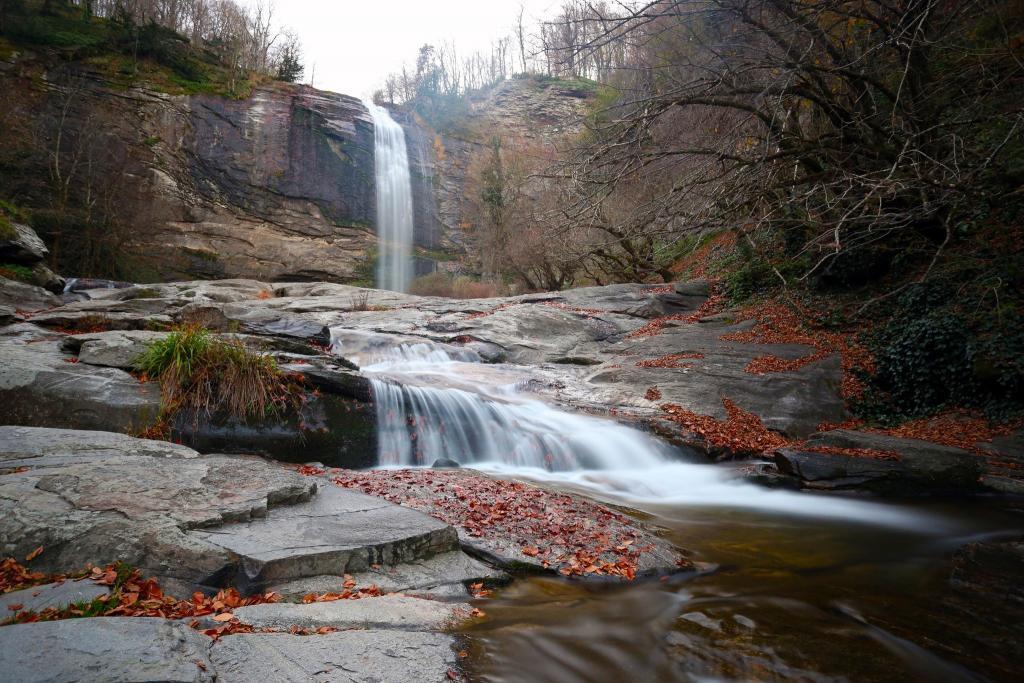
(354, 44)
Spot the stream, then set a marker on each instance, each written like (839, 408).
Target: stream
(799, 587)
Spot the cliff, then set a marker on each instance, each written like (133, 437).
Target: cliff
(277, 186)
(129, 181)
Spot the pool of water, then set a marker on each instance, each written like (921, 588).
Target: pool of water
(792, 598)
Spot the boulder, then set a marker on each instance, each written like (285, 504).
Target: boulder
(22, 245)
(114, 649)
(42, 386)
(115, 349)
(25, 297)
(922, 466)
(47, 279)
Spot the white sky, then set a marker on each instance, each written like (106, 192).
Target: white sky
(355, 44)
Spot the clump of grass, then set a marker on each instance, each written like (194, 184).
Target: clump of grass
(360, 301)
(444, 285)
(203, 375)
(14, 271)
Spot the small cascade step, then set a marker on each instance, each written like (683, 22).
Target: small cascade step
(339, 531)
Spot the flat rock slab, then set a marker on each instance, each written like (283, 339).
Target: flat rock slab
(922, 465)
(44, 447)
(99, 497)
(338, 532)
(384, 612)
(446, 574)
(38, 598)
(357, 656)
(114, 649)
(40, 386)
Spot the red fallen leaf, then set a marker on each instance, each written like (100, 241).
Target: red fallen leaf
(477, 612)
(34, 554)
(531, 551)
(15, 606)
(226, 616)
(201, 665)
(325, 629)
(70, 360)
(463, 654)
(452, 676)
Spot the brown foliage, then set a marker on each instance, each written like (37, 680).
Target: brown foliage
(741, 432)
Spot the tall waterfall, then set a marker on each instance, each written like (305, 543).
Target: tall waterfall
(439, 402)
(394, 202)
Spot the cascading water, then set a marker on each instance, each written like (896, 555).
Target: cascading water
(437, 402)
(394, 202)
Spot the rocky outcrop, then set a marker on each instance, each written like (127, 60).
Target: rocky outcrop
(277, 186)
(21, 248)
(532, 110)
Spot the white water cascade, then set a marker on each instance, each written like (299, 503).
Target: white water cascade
(394, 202)
(437, 402)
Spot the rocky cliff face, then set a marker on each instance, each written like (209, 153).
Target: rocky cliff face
(276, 186)
(534, 110)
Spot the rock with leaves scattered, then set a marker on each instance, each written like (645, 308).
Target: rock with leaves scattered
(519, 526)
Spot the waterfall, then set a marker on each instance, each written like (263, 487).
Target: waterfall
(438, 402)
(394, 202)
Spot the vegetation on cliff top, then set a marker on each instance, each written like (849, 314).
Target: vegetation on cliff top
(218, 48)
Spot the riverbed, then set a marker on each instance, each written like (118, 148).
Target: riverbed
(787, 598)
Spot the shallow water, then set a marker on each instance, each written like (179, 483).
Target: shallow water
(806, 587)
(793, 598)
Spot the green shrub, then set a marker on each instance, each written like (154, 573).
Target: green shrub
(14, 271)
(753, 277)
(202, 375)
(925, 363)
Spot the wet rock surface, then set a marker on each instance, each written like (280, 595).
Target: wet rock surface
(116, 649)
(921, 466)
(384, 612)
(366, 656)
(57, 595)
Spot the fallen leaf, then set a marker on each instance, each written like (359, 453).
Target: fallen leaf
(34, 554)
(226, 616)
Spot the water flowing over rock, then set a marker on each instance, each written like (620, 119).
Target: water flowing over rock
(394, 202)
